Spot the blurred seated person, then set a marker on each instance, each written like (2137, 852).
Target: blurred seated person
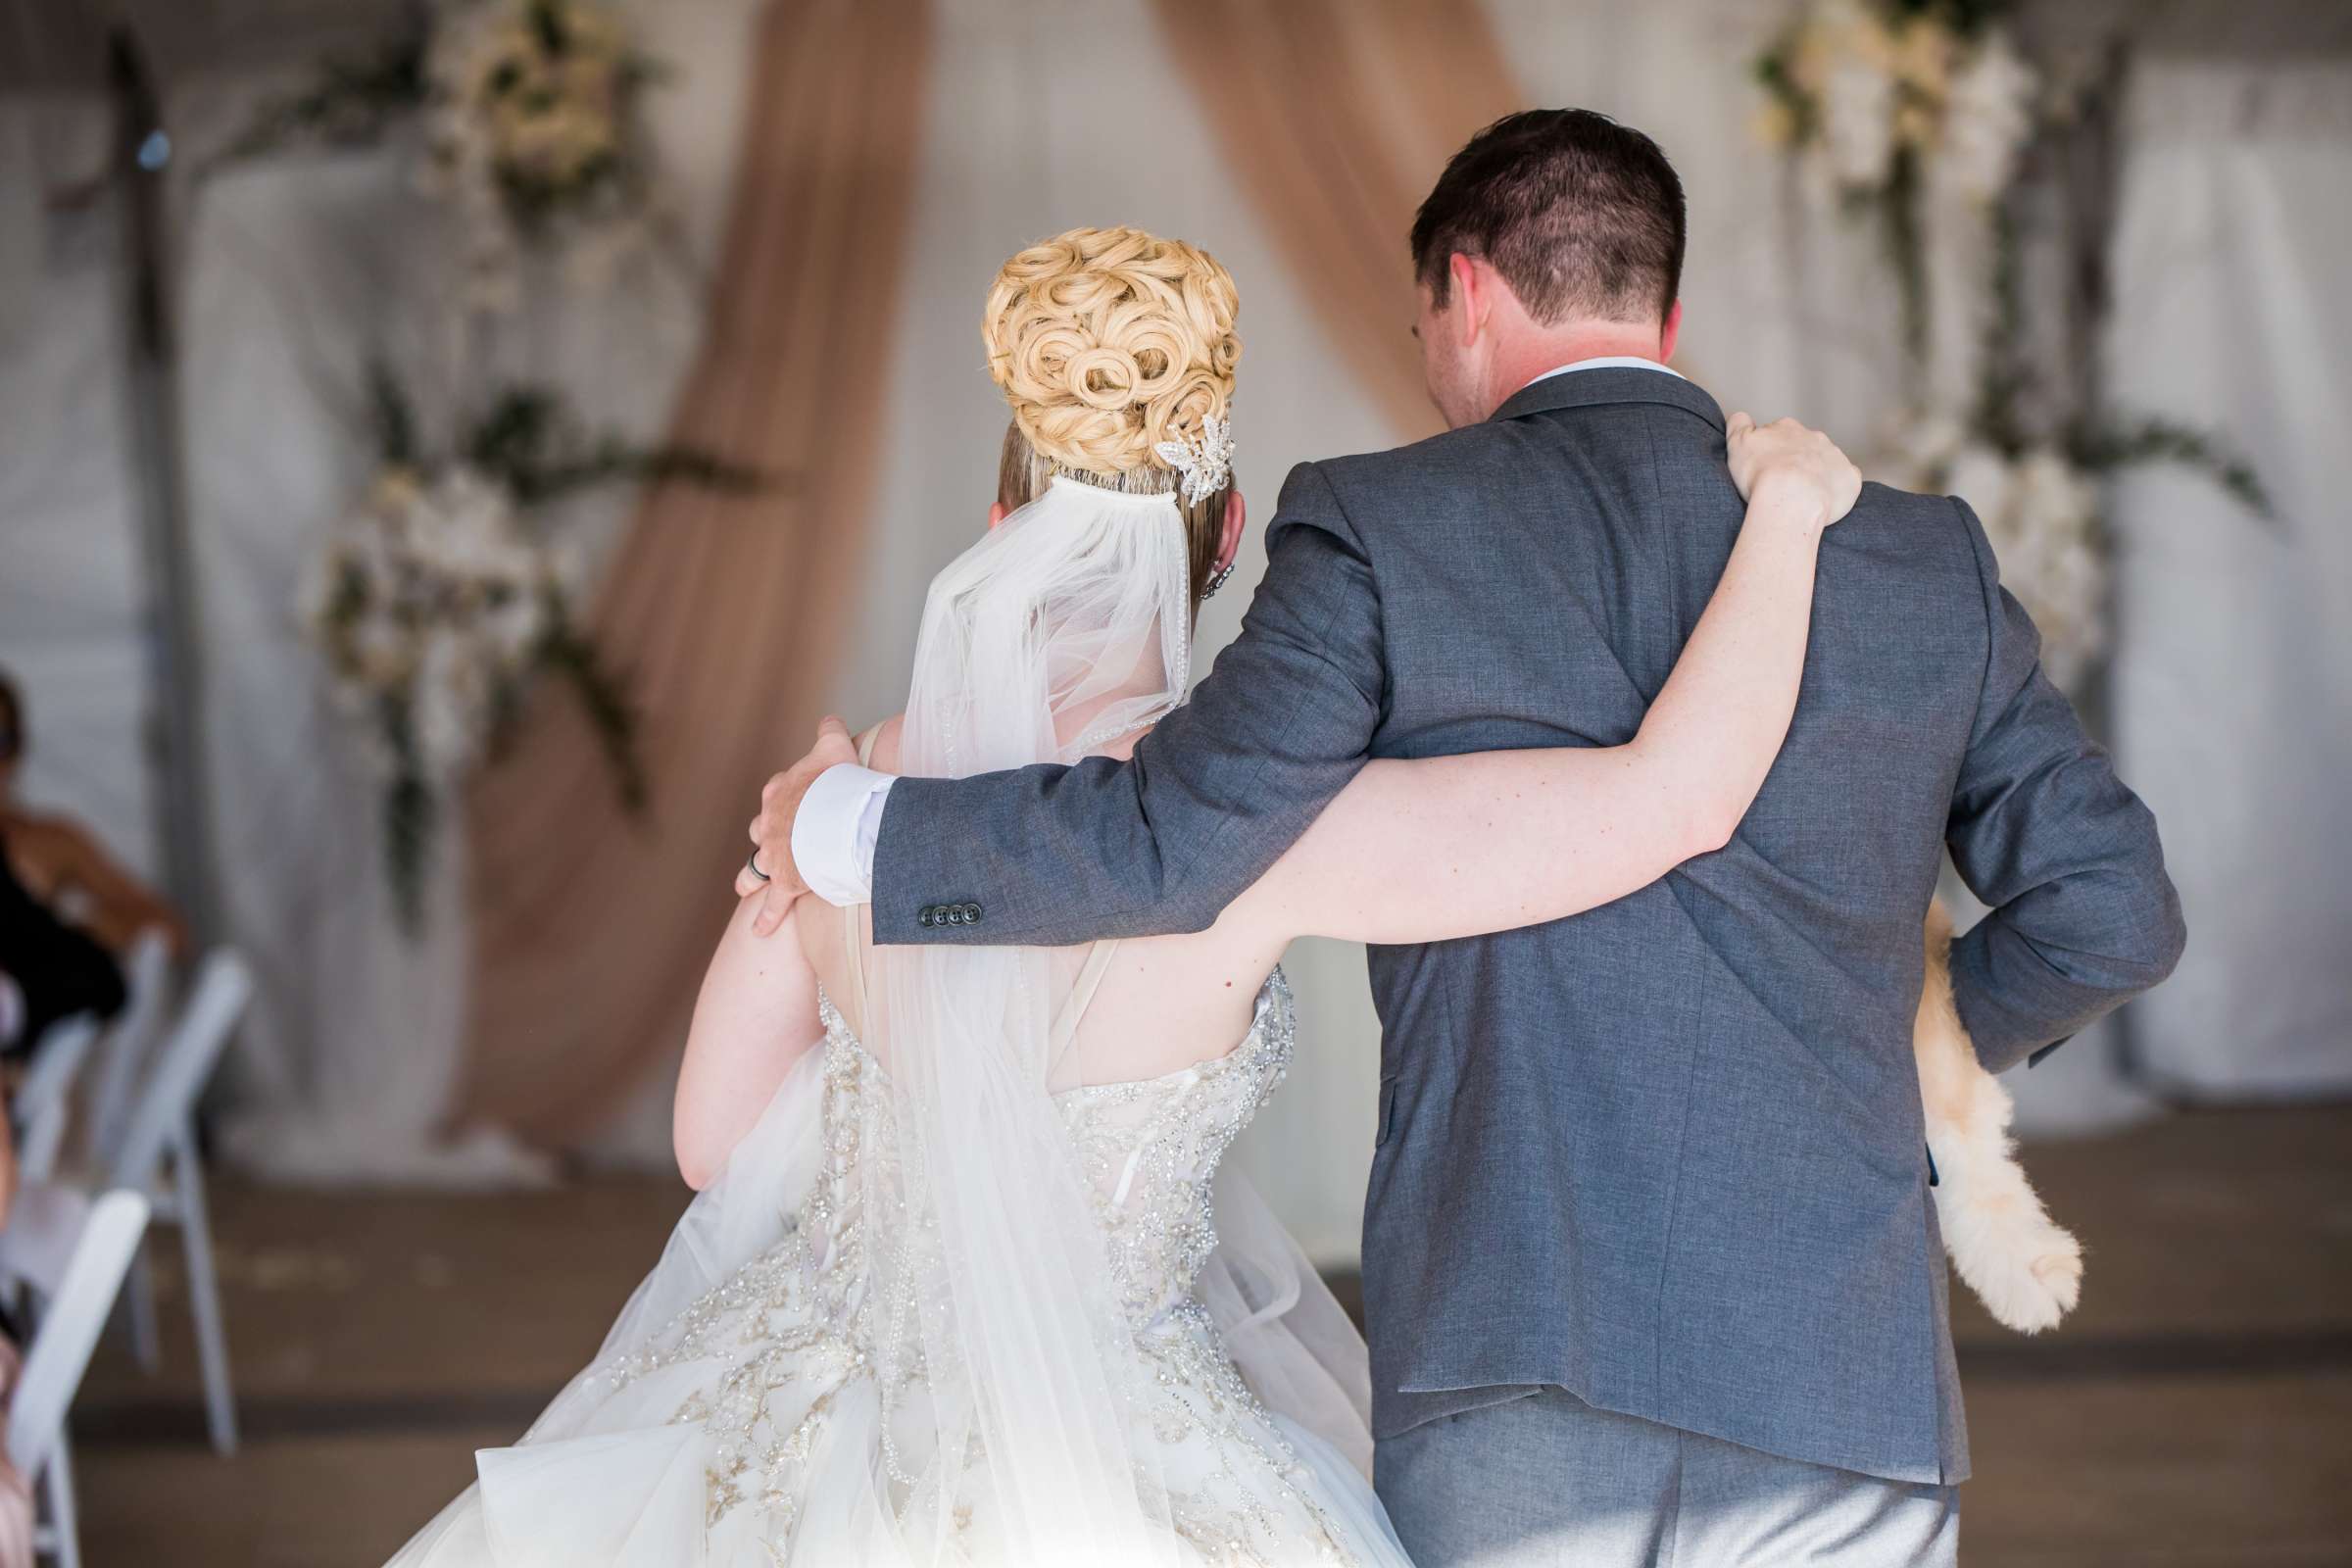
(63, 866)
(68, 909)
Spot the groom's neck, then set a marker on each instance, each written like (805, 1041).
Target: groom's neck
(1530, 354)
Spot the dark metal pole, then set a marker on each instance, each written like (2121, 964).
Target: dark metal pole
(173, 730)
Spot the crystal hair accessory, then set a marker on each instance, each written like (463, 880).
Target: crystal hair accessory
(1206, 462)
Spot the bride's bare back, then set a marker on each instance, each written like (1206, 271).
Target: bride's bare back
(1162, 1003)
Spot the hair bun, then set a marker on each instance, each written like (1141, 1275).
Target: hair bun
(1109, 341)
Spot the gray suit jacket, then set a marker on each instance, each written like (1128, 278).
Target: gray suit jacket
(1666, 1154)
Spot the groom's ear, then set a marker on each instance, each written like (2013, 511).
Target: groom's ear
(1471, 303)
(1671, 332)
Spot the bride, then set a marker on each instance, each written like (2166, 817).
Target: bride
(963, 1284)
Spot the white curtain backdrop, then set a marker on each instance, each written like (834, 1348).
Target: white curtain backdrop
(72, 590)
(302, 270)
(298, 276)
(2233, 665)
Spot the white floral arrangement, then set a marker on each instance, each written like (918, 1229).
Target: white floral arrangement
(2042, 514)
(433, 606)
(430, 605)
(532, 125)
(1870, 93)
(435, 601)
(1892, 104)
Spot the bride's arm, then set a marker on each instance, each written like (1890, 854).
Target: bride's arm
(756, 1016)
(1456, 846)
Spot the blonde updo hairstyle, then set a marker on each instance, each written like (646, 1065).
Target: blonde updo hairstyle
(1107, 342)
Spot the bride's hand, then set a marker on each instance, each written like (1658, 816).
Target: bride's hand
(1798, 469)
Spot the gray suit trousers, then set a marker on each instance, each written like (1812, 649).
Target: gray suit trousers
(1541, 1478)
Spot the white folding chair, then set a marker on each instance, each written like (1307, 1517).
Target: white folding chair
(71, 1322)
(44, 1226)
(44, 1100)
(158, 1158)
(124, 1054)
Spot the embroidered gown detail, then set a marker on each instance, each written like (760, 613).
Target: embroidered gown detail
(754, 1424)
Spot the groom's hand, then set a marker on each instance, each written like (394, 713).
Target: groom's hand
(771, 829)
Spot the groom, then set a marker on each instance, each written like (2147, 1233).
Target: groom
(1651, 1272)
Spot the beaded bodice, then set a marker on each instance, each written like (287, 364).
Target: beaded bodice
(818, 1333)
(1148, 1148)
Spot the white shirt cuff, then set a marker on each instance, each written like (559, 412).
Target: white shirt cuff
(834, 833)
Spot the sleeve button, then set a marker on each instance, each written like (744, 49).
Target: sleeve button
(925, 918)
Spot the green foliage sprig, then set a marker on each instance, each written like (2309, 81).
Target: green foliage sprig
(2096, 443)
(530, 444)
(349, 101)
(2103, 448)
(528, 439)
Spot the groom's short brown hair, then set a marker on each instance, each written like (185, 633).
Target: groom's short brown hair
(1579, 215)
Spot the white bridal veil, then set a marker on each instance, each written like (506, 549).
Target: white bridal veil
(1065, 628)
(1068, 626)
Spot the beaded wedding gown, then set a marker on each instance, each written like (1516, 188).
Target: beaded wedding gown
(762, 1420)
(974, 1291)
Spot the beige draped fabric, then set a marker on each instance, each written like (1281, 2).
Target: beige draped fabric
(1336, 117)
(592, 927)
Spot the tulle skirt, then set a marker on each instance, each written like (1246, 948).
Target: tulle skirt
(732, 1420)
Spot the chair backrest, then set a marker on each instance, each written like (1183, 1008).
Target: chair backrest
(130, 1044)
(44, 1226)
(70, 1327)
(44, 1100)
(182, 1065)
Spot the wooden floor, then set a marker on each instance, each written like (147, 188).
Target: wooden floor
(2197, 1413)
